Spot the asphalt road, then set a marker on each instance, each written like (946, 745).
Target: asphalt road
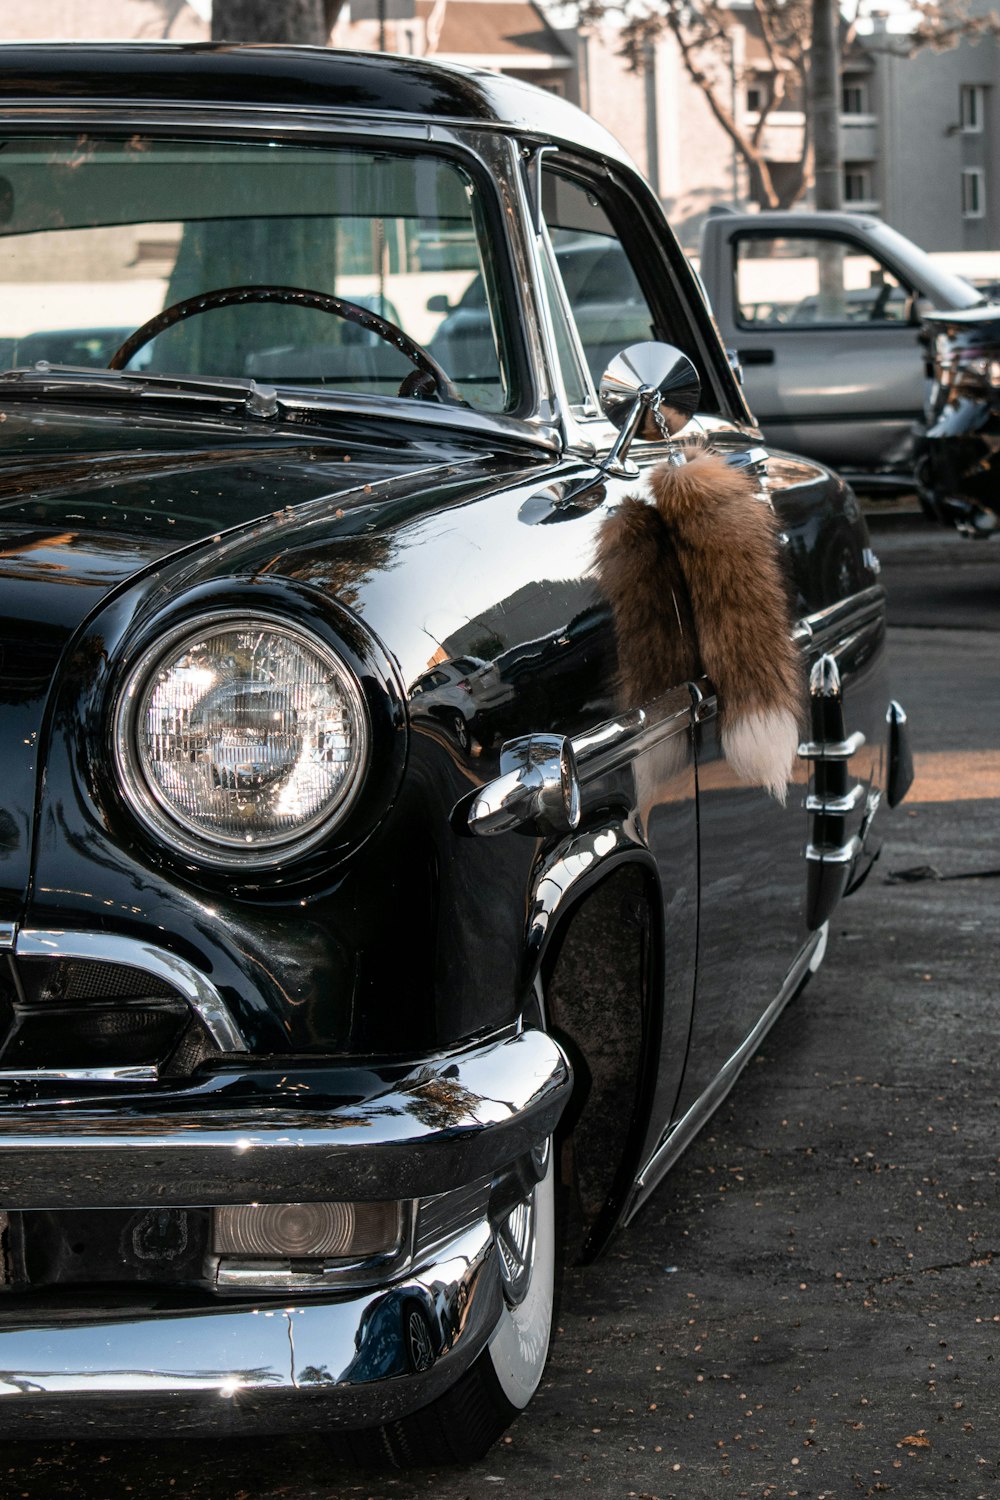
(810, 1305)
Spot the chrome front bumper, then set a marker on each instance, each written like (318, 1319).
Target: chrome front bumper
(354, 1361)
(162, 1357)
(295, 1136)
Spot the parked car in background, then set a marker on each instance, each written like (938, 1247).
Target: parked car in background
(958, 464)
(67, 346)
(314, 992)
(824, 311)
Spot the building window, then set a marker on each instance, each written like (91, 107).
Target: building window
(756, 98)
(854, 99)
(971, 108)
(857, 184)
(973, 193)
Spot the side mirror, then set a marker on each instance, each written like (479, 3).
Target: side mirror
(651, 391)
(439, 303)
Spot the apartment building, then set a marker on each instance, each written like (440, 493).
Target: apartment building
(920, 135)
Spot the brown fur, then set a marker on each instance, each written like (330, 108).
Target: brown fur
(642, 579)
(712, 532)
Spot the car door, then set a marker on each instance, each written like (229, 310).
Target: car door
(752, 876)
(825, 333)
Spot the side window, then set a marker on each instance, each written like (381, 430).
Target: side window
(787, 281)
(602, 291)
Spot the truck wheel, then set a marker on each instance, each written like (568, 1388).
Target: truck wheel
(463, 1423)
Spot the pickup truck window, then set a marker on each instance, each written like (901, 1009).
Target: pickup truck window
(790, 281)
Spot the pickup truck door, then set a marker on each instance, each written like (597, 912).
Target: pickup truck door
(825, 331)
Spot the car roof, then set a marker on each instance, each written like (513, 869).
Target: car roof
(306, 78)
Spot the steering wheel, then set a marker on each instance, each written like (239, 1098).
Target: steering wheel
(429, 378)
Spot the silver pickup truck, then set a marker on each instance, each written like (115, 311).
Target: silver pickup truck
(824, 313)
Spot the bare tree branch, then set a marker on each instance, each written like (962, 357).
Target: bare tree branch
(702, 30)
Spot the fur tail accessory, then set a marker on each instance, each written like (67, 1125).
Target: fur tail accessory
(712, 541)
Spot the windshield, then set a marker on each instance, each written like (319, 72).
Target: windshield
(97, 236)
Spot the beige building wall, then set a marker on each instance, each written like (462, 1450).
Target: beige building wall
(100, 20)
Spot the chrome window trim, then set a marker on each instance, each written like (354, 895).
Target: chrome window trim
(101, 947)
(8, 934)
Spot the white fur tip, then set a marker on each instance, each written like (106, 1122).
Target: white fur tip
(761, 748)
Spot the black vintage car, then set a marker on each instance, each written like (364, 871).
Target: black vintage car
(317, 984)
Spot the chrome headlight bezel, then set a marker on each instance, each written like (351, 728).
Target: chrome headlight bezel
(151, 806)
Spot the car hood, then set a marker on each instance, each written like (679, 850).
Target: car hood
(91, 503)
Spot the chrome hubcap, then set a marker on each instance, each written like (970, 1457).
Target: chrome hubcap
(516, 1244)
(516, 1237)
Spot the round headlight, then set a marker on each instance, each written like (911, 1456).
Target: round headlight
(241, 740)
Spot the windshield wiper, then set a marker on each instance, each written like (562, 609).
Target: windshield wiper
(202, 391)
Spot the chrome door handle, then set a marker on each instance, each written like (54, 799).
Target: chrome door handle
(538, 782)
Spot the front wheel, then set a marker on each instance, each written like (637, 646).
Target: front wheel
(461, 1425)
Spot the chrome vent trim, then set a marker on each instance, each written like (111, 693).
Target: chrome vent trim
(109, 948)
(442, 1217)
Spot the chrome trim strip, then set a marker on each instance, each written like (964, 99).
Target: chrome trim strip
(865, 601)
(139, 1074)
(615, 741)
(102, 947)
(608, 736)
(8, 934)
(836, 807)
(294, 1364)
(447, 1120)
(834, 854)
(832, 749)
(683, 1131)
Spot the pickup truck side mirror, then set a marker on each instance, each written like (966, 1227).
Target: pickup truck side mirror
(650, 390)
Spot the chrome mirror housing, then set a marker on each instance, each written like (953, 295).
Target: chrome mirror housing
(650, 390)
